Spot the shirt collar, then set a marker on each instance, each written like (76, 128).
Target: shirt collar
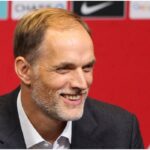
(31, 136)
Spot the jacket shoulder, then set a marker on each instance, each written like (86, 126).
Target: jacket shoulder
(8, 99)
(10, 131)
(117, 124)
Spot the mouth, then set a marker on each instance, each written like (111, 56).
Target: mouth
(71, 96)
(72, 99)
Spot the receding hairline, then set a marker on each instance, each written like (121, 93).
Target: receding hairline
(37, 22)
(57, 18)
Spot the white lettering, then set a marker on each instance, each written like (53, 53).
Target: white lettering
(20, 8)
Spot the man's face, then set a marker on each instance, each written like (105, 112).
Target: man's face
(63, 73)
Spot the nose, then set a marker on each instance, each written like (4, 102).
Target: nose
(79, 80)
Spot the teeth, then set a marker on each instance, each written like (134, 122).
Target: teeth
(72, 97)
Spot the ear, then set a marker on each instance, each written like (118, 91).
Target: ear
(23, 70)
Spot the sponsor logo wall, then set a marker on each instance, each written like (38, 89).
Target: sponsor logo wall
(120, 31)
(140, 9)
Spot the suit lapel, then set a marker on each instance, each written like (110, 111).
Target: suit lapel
(84, 132)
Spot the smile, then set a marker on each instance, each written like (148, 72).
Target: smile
(71, 97)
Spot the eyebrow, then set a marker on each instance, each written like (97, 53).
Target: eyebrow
(70, 65)
(90, 63)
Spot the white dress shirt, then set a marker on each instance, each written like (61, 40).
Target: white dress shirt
(34, 140)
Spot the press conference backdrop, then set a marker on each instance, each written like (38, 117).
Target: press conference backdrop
(121, 34)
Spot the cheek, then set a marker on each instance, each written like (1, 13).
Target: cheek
(89, 78)
(56, 82)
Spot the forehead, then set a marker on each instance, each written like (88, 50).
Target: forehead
(71, 45)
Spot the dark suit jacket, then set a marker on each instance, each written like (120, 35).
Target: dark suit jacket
(102, 126)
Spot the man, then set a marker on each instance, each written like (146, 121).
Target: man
(54, 60)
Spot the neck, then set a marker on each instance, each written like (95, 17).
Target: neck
(47, 127)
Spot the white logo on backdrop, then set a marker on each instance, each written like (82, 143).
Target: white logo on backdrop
(20, 8)
(86, 10)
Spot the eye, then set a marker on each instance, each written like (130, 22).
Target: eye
(65, 68)
(62, 70)
(88, 68)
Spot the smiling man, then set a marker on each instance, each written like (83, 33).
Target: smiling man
(54, 59)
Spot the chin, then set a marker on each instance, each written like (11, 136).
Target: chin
(70, 115)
